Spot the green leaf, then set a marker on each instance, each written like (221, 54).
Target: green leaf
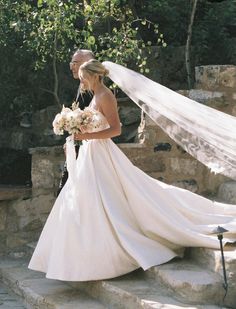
(40, 3)
(88, 8)
(91, 40)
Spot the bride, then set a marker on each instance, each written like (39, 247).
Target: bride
(111, 218)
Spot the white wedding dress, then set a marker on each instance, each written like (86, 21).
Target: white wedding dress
(111, 218)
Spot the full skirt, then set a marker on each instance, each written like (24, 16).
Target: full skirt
(111, 218)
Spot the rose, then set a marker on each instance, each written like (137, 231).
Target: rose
(58, 124)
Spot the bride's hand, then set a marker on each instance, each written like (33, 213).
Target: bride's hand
(81, 136)
(83, 129)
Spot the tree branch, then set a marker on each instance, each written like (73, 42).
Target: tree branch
(188, 44)
(54, 66)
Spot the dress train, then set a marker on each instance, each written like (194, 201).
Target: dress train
(111, 218)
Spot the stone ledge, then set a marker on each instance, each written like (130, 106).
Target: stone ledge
(59, 149)
(13, 193)
(51, 150)
(132, 145)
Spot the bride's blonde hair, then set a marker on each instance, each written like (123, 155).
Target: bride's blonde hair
(93, 66)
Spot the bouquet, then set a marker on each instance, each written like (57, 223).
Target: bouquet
(72, 119)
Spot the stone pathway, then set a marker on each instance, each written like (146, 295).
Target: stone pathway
(8, 300)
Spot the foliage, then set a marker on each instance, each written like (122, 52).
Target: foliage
(38, 37)
(172, 17)
(211, 36)
(120, 41)
(43, 34)
(52, 30)
(211, 39)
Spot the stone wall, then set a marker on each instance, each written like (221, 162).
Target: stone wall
(21, 222)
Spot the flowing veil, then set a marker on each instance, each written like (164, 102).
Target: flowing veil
(207, 134)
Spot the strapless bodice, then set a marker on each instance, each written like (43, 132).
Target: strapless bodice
(98, 123)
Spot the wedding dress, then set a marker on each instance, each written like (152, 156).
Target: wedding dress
(111, 218)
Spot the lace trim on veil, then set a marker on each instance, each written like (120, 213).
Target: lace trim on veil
(207, 134)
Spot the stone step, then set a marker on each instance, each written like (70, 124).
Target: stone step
(197, 279)
(41, 293)
(211, 259)
(135, 291)
(190, 282)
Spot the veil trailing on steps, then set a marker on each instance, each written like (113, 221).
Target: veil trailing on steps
(207, 134)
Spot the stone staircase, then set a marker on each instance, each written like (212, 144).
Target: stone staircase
(192, 282)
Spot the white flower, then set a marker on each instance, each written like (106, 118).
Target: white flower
(58, 124)
(71, 120)
(65, 110)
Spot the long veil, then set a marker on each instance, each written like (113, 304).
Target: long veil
(205, 133)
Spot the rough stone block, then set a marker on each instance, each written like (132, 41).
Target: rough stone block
(188, 184)
(191, 282)
(129, 115)
(227, 192)
(162, 147)
(3, 239)
(22, 208)
(42, 173)
(212, 258)
(211, 98)
(12, 222)
(233, 112)
(13, 193)
(14, 241)
(3, 218)
(34, 224)
(215, 76)
(30, 214)
(183, 166)
(149, 163)
(42, 204)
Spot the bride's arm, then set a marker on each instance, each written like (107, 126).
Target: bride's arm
(108, 106)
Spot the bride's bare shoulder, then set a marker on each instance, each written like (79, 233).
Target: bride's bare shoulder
(107, 103)
(107, 97)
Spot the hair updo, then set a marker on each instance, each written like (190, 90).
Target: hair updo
(93, 66)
